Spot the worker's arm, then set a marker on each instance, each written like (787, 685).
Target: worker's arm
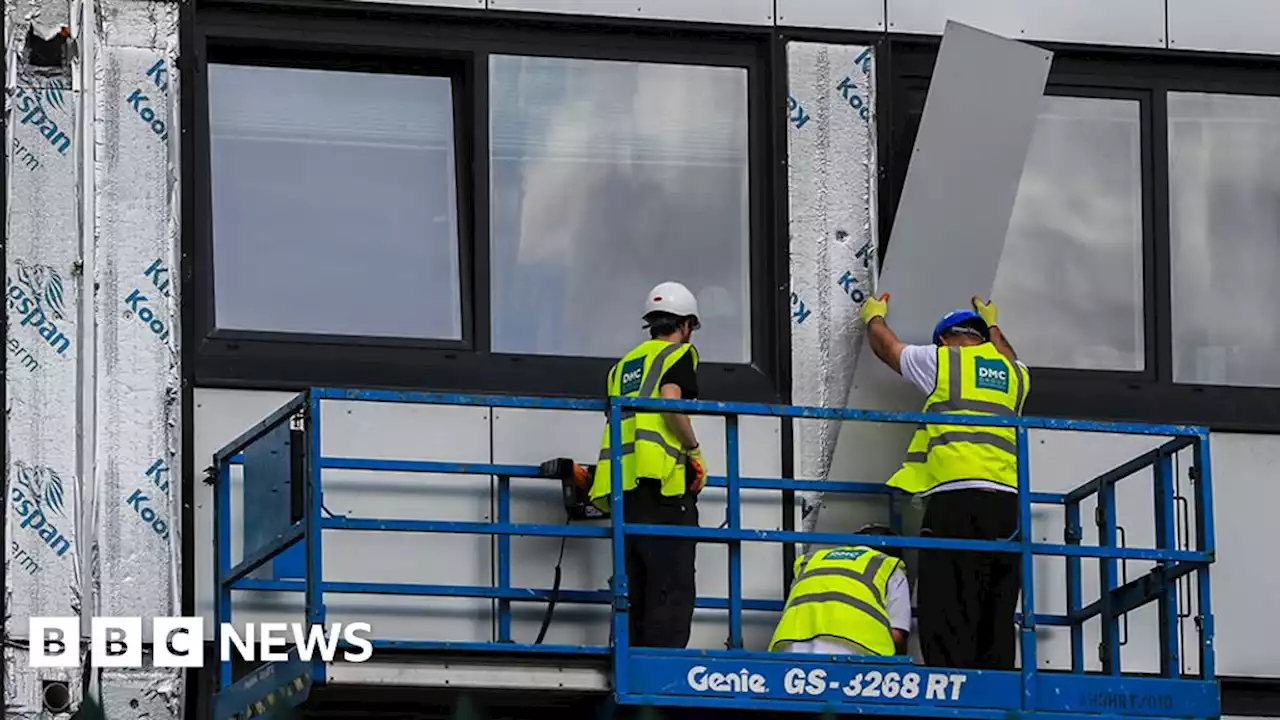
(990, 316)
(678, 422)
(884, 343)
(1002, 343)
(898, 604)
(900, 641)
(680, 382)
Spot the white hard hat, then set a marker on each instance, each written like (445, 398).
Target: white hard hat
(672, 298)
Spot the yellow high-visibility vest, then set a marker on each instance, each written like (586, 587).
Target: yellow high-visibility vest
(649, 448)
(840, 593)
(972, 380)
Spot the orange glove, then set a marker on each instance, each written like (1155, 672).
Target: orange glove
(698, 467)
(582, 476)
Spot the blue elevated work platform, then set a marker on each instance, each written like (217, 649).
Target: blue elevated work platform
(284, 466)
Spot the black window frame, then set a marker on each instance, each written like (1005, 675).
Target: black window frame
(457, 69)
(458, 45)
(906, 64)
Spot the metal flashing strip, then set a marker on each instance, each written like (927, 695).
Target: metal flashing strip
(497, 674)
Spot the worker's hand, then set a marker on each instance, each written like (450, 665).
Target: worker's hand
(873, 308)
(987, 310)
(697, 469)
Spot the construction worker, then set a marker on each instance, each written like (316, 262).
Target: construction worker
(662, 469)
(969, 475)
(851, 600)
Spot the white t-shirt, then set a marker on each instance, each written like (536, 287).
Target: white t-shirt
(919, 364)
(897, 602)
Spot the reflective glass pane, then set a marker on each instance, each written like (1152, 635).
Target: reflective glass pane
(1224, 225)
(1069, 285)
(334, 204)
(608, 178)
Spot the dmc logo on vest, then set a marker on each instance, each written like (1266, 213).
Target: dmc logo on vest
(991, 375)
(632, 373)
(846, 554)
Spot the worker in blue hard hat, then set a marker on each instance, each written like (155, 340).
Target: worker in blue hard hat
(968, 475)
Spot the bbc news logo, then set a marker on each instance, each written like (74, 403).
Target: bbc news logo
(179, 642)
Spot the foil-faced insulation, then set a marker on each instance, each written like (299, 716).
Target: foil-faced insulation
(93, 435)
(831, 157)
(43, 281)
(138, 377)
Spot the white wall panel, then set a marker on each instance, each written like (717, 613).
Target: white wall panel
(471, 4)
(1101, 22)
(219, 417)
(395, 431)
(1061, 461)
(463, 435)
(379, 431)
(837, 14)
(734, 12)
(1246, 26)
(1244, 588)
(532, 436)
(760, 455)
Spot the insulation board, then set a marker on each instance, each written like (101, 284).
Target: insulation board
(831, 161)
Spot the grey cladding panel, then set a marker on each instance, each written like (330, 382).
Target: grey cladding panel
(963, 175)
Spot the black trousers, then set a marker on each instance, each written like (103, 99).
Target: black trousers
(660, 570)
(965, 601)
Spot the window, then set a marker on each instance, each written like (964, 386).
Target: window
(608, 178)
(334, 202)
(1070, 282)
(1224, 218)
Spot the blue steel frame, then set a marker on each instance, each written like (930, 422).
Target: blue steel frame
(754, 680)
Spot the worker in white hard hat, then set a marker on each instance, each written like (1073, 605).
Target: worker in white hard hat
(662, 469)
(969, 477)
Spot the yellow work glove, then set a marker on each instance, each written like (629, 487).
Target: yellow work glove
(698, 467)
(873, 308)
(986, 310)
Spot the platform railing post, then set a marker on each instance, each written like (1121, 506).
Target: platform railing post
(1109, 650)
(314, 583)
(1028, 635)
(734, 510)
(504, 559)
(1166, 539)
(1075, 591)
(621, 611)
(222, 545)
(1204, 543)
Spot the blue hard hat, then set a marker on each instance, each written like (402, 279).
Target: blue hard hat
(958, 317)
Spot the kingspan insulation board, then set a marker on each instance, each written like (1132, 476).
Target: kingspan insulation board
(137, 370)
(949, 230)
(93, 422)
(45, 533)
(831, 162)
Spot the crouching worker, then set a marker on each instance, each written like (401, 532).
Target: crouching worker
(851, 600)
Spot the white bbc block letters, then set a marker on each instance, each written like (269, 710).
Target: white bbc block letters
(179, 641)
(55, 642)
(116, 641)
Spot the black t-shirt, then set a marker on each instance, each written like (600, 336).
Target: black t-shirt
(683, 373)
